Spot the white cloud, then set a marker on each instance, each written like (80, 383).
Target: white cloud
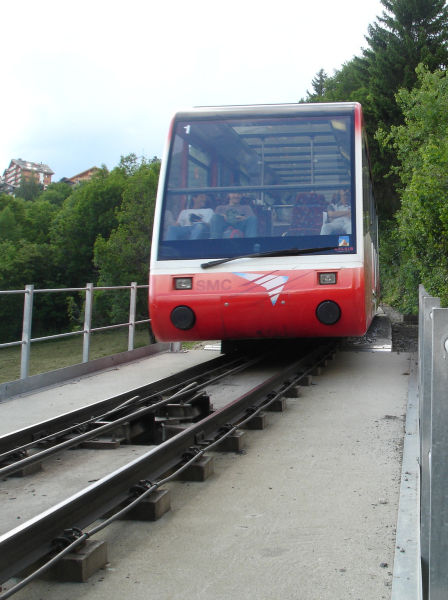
(91, 80)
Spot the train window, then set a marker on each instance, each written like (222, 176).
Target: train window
(267, 183)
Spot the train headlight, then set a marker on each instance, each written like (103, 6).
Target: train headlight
(328, 312)
(183, 283)
(183, 317)
(327, 278)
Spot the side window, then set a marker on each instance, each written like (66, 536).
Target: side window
(369, 208)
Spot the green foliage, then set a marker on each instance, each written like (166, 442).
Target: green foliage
(22, 262)
(12, 217)
(421, 143)
(124, 256)
(398, 273)
(88, 212)
(51, 240)
(29, 189)
(56, 193)
(9, 229)
(408, 32)
(319, 84)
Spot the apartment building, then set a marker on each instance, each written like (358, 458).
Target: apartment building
(23, 169)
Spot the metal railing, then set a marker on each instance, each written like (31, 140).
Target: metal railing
(87, 330)
(433, 412)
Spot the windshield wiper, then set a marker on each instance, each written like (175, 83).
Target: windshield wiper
(287, 252)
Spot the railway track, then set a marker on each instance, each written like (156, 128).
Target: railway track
(173, 416)
(122, 418)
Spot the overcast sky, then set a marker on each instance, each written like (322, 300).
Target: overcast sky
(88, 81)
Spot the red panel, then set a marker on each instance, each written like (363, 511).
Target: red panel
(259, 305)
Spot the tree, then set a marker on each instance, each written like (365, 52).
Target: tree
(88, 212)
(9, 229)
(38, 218)
(421, 237)
(12, 217)
(408, 32)
(56, 193)
(123, 256)
(29, 189)
(21, 263)
(50, 242)
(319, 87)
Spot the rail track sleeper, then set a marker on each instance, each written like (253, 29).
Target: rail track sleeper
(106, 443)
(152, 508)
(78, 566)
(233, 443)
(198, 471)
(27, 470)
(278, 405)
(294, 392)
(306, 380)
(258, 422)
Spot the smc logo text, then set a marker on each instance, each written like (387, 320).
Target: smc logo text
(217, 285)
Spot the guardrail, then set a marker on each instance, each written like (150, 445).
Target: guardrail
(433, 411)
(87, 330)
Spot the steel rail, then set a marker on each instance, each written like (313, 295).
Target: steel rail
(136, 413)
(34, 434)
(31, 541)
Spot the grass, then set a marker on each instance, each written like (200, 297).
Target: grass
(55, 354)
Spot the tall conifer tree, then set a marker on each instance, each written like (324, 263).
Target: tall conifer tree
(408, 32)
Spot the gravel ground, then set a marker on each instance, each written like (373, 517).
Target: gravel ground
(404, 331)
(404, 337)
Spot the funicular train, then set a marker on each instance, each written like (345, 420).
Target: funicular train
(265, 225)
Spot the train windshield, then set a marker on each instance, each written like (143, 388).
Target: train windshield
(243, 185)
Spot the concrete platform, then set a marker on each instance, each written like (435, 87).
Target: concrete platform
(307, 512)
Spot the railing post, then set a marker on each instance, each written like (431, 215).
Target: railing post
(132, 307)
(26, 331)
(438, 535)
(427, 304)
(87, 322)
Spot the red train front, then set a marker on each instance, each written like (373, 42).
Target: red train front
(265, 225)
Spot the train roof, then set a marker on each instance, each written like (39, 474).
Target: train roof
(268, 110)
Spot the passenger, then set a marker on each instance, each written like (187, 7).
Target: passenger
(339, 215)
(233, 219)
(192, 223)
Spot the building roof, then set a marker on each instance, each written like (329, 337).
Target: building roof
(31, 166)
(86, 173)
(80, 177)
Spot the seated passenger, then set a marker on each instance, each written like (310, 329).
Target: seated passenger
(233, 219)
(339, 215)
(192, 223)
